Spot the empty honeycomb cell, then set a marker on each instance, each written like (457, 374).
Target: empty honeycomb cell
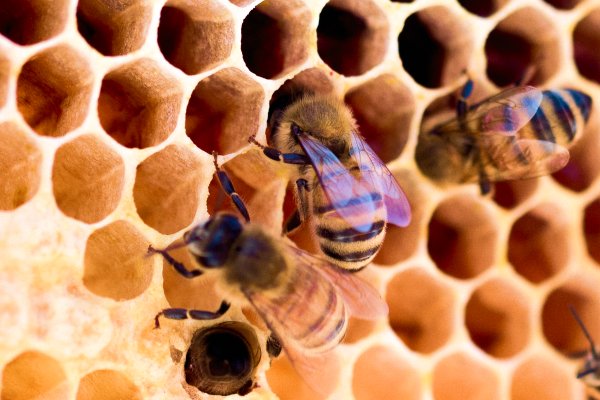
(522, 43)
(461, 377)
(287, 384)
(139, 104)
(34, 375)
(115, 263)
(483, 8)
(166, 189)
(275, 37)
(114, 28)
(538, 245)
(54, 90)
(383, 108)
(20, 167)
(510, 194)
(195, 36)
(381, 373)
(421, 310)
(32, 21)
(462, 237)
(224, 111)
(352, 36)
(87, 179)
(497, 318)
(106, 384)
(435, 46)
(358, 329)
(591, 229)
(539, 377)
(586, 42)
(559, 327)
(563, 4)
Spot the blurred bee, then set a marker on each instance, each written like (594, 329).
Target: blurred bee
(342, 187)
(304, 300)
(590, 373)
(519, 133)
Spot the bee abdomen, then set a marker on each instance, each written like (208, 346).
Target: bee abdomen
(350, 235)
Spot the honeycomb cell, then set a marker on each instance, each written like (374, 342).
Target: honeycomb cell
(166, 188)
(586, 42)
(563, 4)
(224, 111)
(591, 229)
(20, 167)
(139, 104)
(352, 36)
(195, 36)
(114, 263)
(462, 237)
(32, 21)
(287, 384)
(114, 28)
(460, 377)
(105, 384)
(381, 373)
(482, 8)
(421, 310)
(54, 89)
(538, 244)
(539, 377)
(497, 318)
(383, 108)
(516, 48)
(275, 37)
(446, 41)
(510, 194)
(87, 179)
(34, 375)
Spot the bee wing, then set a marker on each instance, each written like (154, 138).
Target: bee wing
(375, 175)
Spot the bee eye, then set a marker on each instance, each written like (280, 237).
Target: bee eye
(295, 129)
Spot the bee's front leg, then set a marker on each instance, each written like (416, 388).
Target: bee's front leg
(276, 155)
(179, 267)
(184, 313)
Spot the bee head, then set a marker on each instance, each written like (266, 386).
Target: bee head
(210, 242)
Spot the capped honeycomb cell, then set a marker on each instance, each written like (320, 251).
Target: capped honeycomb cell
(591, 229)
(54, 90)
(461, 377)
(224, 111)
(539, 377)
(32, 21)
(435, 46)
(34, 375)
(115, 262)
(107, 384)
(482, 8)
(585, 44)
(114, 28)
(139, 104)
(497, 318)
(20, 167)
(352, 36)
(195, 36)
(522, 43)
(275, 37)
(510, 194)
(87, 179)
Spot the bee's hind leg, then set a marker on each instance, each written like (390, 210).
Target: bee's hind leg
(184, 313)
(301, 213)
(229, 190)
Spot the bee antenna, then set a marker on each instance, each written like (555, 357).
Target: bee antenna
(586, 333)
(586, 372)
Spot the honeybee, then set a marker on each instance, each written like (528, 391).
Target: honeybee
(590, 373)
(519, 133)
(342, 187)
(304, 300)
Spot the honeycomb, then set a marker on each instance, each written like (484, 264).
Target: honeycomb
(109, 111)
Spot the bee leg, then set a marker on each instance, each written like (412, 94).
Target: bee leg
(273, 346)
(461, 104)
(292, 223)
(301, 214)
(276, 155)
(184, 313)
(179, 267)
(229, 190)
(484, 184)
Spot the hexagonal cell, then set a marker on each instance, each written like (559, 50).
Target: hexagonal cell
(510, 194)
(376, 376)
(32, 21)
(138, 104)
(591, 229)
(352, 36)
(54, 89)
(563, 4)
(383, 108)
(422, 310)
(538, 244)
(87, 178)
(540, 377)
(20, 167)
(559, 327)
(114, 263)
(195, 36)
(497, 318)
(462, 237)
(586, 42)
(461, 377)
(275, 37)
(482, 8)
(448, 45)
(34, 375)
(287, 384)
(515, 47)
(224, 111)
(114, 28)
(166, 189)
(107, 384)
